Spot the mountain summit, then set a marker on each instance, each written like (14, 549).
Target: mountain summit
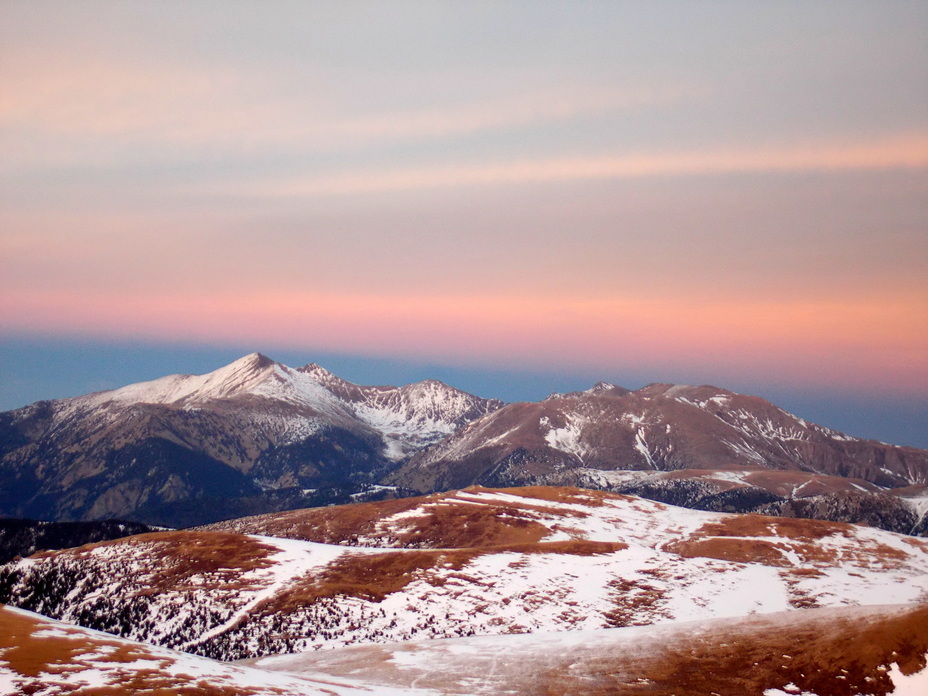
(250, 436)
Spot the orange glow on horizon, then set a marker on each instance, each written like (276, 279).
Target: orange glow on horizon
(851, 343)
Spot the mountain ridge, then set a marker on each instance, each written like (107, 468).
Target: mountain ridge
(659, 427)
(258, 436)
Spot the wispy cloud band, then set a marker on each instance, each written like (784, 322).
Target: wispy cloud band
(909, 151)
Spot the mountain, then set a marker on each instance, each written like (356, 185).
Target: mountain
(256, 436)
(787, 493)
(252, 436)
(39, 655)
(473, 562)
(702, 447)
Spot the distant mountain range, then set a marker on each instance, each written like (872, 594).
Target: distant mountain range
(24, 537)
(257, 436)
(252, 436)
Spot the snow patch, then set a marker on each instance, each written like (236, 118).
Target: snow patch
(915, 684)
(569, 439)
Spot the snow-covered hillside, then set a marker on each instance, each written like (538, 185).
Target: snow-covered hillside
(865, 651)
(820, 652)
(475, 562)
(42, 656)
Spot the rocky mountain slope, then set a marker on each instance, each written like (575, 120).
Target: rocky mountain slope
(700, 447)
(474, 562)
(660, 427)
(252, 436)
(768, 492)
(257, 436)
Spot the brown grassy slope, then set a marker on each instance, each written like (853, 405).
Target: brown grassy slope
(52, 658)
(767, 540)
(445, 524)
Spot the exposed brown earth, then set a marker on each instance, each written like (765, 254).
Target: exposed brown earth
(741, 539)
(440, 524)
(179, 556)
(374, 576)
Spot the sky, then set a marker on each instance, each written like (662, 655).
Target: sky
(521, 196)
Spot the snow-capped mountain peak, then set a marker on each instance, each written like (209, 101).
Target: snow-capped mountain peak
(251, 427)
(256, 427)
(252, 376)
(607, 389)
(424, 411)
(237, 377)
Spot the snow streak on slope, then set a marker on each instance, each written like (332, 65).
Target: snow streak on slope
(567, 438)
(291, 560)
(473, 562)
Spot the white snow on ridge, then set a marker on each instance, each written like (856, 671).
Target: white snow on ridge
(301, 401)
(252, 375)
(294, 560)
(915, 684)
(568, 439)
(403, 436)
(628, 657)
(730, 476)
(416, 415)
